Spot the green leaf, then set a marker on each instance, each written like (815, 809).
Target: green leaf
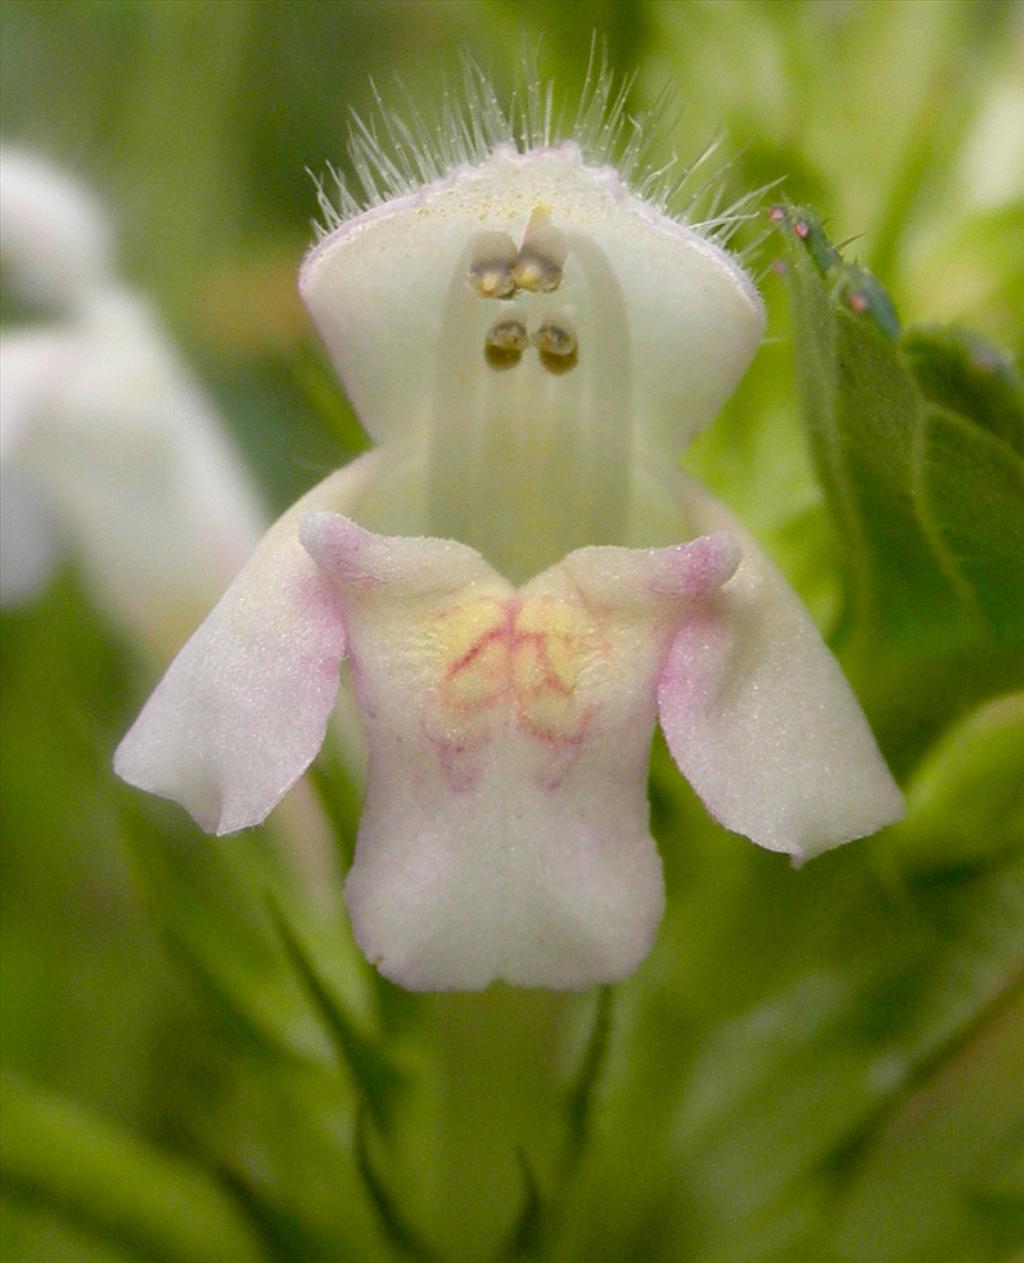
(999, 1196)
(919, 1193)
(918, 440)
(789, 1103)
(116, 1186)
(372, 1069)
(340, 799)
(527, 1236)
(314, 378)
(405, 1239)
(212, 922)
(580, 1101)
(957, 369)
(970, 490)
(965, 804)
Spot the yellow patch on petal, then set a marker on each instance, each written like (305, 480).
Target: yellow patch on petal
(471, 639)
(525, 654)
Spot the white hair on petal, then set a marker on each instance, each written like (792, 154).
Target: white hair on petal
(392, 153)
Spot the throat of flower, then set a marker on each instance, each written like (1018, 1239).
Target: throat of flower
(531, 408)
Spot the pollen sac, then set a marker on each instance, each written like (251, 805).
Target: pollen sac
(538, 266)
(505, 343)
(492, 269)
(557, 344)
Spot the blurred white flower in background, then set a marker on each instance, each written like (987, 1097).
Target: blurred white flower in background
(109, 449)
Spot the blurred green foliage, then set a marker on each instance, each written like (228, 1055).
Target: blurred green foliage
(814, 1066)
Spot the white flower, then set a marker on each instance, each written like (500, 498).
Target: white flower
(55, 240)
(108, 447)
(530, 344)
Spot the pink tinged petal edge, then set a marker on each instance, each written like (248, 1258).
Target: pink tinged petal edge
(698, 569)
(243, 708)
(359, 560)
(760, 719)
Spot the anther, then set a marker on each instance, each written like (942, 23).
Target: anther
(557, 346)
(491, 271)
(505, 343)
(542, 256)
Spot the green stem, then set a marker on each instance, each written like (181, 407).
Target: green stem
(499, 1099)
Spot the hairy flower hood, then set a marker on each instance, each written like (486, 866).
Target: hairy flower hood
(522, 583)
